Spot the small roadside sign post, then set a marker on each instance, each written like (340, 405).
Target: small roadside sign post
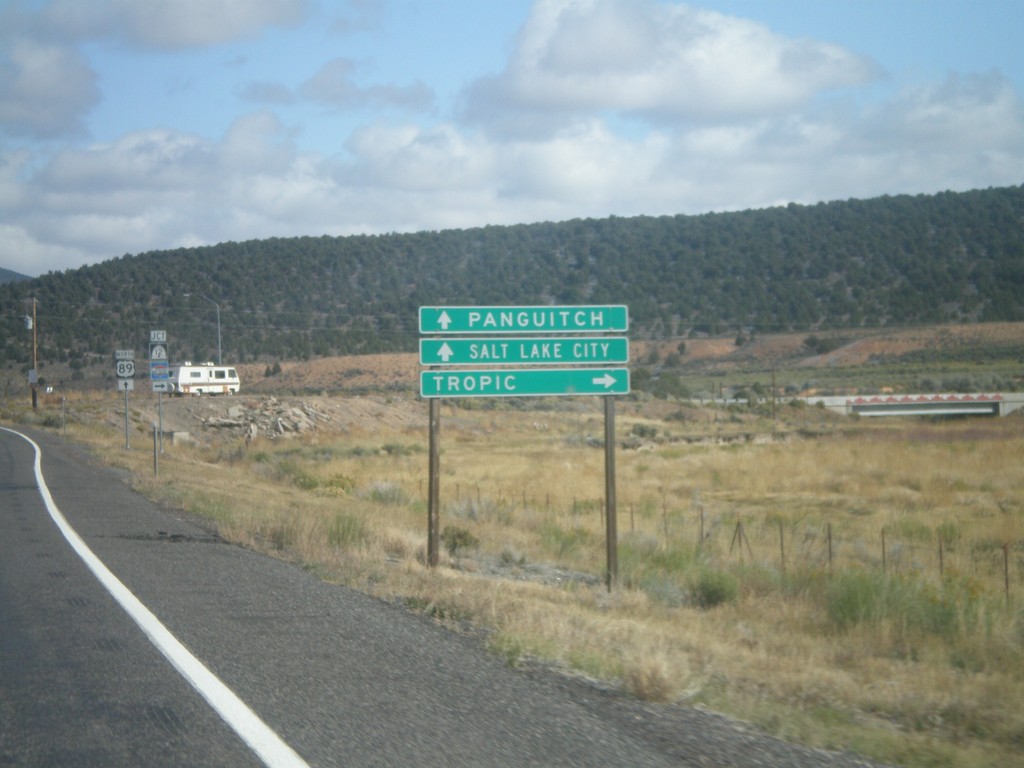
(124, 367)
(462, 364)
(159, 376)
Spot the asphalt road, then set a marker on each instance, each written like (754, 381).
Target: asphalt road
(246, 660)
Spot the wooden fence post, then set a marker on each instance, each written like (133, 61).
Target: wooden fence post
(941, 555)
(1006, 569)
(830, 546)
(782, 546)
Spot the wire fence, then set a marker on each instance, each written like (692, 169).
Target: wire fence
(769, 540)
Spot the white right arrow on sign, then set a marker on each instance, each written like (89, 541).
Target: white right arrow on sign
(606, 381)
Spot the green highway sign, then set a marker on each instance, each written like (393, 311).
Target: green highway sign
(535, 319)
(534, 350)
(524, 382)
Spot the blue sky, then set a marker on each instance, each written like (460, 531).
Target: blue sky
(129, 125)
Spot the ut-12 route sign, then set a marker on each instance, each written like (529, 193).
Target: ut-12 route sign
(539, 319)
(524, 382)
(527, 350)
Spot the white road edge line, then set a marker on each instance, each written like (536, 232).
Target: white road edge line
(270, 747)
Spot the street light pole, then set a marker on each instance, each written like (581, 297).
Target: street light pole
(35, 366)
(217, 307)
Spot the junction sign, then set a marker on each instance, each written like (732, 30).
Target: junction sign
(533, 351)
(448, 344)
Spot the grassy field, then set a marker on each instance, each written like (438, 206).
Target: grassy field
(843, 583)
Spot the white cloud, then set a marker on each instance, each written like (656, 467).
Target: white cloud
(44, 88)
(408, 157)
(973, 112)
(588, 165)
(674, 62)
(333, 84)
(144, 161)
(165, 189)
(171, 24)
(21, 251)
(47, 86)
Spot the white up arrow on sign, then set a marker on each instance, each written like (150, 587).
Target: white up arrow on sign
(445, 352)
(444, 320)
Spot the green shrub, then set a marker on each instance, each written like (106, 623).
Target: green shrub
(855, 597)
(866, 597)
(297, 475)
(306, 480)
(390, 494)
(340, 482)
(457, 539)
(644, 431)
(511, 558)
(949, 532)
(711, 588)
(397, 449)
(346, 530)
(482, 509)
(662, 589)
(562, 541)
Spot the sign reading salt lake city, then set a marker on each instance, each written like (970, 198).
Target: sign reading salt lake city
(519, 351)
(578, 350)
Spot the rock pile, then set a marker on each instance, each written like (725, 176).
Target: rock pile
(267, 417)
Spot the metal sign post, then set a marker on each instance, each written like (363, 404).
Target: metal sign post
(127, 447)
(124, 367)
(611, 523)
(434, 483)
(159, 374)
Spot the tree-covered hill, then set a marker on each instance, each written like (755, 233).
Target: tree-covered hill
(9, 276)
(891, 260)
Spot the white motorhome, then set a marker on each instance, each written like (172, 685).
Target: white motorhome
(202, 379)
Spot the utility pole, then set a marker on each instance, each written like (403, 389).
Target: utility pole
(33, 375)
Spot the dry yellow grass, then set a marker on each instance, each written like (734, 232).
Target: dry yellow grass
(932, 674)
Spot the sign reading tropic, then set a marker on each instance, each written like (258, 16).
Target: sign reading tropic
(581, 348)
(525, 382)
